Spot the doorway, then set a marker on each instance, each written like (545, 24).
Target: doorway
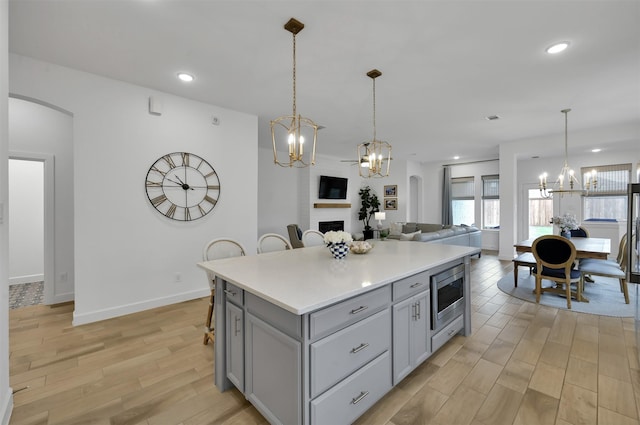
(539, 213)
(31, 247)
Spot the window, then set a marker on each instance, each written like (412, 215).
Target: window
(608, 200)
(491, 202)
(462, 200)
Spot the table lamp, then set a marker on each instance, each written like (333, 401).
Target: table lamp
(379, 216)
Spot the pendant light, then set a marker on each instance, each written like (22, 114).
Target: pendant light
(374, 156)
(294, 131)
(567, 175)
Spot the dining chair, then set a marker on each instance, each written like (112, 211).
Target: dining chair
(621, 247)
(580, 232)
(312, 238)
(555, 256)
(216, 249)
(606, 268)
(270, 242)
(295, 235)
(526, 259)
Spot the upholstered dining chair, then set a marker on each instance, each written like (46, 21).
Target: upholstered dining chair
(295, 236)
(606, 268)
(580, 232)
(312, 238)
(213, 250)
(555, 257)
(270, 242)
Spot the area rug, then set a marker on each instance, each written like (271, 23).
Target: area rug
(604, 295)
(25, 294)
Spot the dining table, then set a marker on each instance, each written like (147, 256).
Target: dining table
(598, 248)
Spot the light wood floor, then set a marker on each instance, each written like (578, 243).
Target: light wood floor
(524, 364)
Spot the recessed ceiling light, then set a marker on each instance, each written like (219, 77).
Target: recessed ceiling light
(596, 150)
(183, 76)
(493, 117)
(557, 48)
(456, 157)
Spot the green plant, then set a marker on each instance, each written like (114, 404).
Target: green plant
(369, 204)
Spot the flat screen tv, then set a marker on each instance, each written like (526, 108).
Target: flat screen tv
(332, 188)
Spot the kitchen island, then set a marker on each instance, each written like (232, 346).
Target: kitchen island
(313, 340)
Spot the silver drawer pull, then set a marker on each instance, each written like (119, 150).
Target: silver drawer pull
(359, 309)
(451, 332)
(358, 399)
(359, 348)
(237, 330)
(230, 292)
(415, 285)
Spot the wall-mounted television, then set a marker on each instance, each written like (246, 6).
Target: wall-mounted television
(332, 188)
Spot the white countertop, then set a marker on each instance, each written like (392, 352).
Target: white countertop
(306, 279)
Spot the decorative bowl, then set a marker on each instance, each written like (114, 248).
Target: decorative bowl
(360, 247)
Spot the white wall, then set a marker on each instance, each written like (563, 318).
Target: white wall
(6, 398)
(126, 254)
(26, 230)
(52, 138)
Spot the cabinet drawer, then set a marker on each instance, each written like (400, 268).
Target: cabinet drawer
(439, 339)
(352, 397)
(411, 285)
(234, 294)
(335, 357)
(350, 311)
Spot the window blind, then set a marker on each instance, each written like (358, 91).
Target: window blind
(611, 179)
(462, 188)
(491, 187)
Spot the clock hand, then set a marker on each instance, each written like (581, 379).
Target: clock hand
(173, 181)
(183, 184)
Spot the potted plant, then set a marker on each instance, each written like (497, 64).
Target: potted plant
(369, 204)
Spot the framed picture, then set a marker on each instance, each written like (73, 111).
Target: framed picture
(390, 203)
(391, 190)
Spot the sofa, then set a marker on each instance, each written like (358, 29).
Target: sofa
(437, 233)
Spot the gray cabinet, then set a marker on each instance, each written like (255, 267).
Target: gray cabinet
(235, 345)
(274, 372)
(411, 339)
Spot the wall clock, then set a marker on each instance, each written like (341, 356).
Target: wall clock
(182, 186)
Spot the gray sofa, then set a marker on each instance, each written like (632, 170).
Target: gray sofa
(437, 233)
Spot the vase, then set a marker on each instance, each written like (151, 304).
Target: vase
(566, 234)
(339, 250)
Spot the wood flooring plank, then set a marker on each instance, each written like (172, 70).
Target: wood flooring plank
(537, 409)
(617, 396)
(419, 409)
(516, 375)
(460, 408)
(500, 407)
(547, 379)
(483, 376)
(582, 373)
(578, 405)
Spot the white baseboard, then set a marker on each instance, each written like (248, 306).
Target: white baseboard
(108, 313)
(18, 280)
(6, 406)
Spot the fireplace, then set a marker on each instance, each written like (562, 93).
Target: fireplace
(325, 226)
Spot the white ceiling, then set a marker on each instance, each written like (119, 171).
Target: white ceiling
(446, 64)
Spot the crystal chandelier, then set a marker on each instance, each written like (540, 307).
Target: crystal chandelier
(567, 175)
(374, 156)
(294, 129)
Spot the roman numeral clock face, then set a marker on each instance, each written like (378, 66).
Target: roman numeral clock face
(182, 186)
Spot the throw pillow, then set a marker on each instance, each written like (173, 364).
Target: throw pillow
(409, 236)
(395, 229)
